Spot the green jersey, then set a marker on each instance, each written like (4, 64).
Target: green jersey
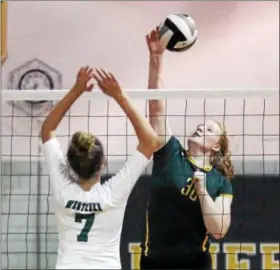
(174, 220)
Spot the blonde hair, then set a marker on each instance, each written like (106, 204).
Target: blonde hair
(222, 159)
(85, 154)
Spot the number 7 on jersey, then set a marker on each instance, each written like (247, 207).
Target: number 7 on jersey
(89, 218)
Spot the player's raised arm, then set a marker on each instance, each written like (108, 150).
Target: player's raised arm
(157, 116)
(52, 152)
(54, 118)
(118, 188)
(148, 139)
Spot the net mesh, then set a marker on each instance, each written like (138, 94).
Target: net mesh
(29, 234)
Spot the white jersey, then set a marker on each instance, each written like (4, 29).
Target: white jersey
(90, 223)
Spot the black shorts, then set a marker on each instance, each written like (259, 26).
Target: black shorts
(202, 262)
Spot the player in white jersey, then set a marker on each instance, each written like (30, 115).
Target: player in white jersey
(90, 214)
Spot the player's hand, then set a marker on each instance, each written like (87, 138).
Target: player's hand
(153, 42)
(108, 83)
(83, 80)
(199, 179)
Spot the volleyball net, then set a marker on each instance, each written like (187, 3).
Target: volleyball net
(29, 234)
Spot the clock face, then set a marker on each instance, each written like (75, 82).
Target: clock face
(35, 79)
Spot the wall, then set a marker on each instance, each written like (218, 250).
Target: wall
(237, 45)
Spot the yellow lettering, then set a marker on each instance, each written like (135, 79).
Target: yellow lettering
(135, 250)
(233, 250)
(214, 250)
(269, 250)
(193, 195)
(189, 190)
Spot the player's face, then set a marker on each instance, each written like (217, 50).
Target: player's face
(206, 136)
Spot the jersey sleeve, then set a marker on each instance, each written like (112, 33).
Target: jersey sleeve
(225, 189)
(165, 154)
(118, 188)
(56, 164)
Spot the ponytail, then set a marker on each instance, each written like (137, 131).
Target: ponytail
(224, 164)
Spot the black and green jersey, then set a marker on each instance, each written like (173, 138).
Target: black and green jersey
(174, 221)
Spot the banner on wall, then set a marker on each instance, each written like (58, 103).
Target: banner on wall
(230, 255)
(252, 241)
(4, 48)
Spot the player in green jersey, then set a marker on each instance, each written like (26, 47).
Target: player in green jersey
(190, 190)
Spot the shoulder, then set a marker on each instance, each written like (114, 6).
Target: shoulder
(52, 150)
(137, 159)
(172, 144)
(223, 184)
(51, 143)
(55, 161)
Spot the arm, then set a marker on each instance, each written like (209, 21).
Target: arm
(157, 117)
(148, 139)
(117, 189)
(216, 214)
(54, 118)
(52, 152)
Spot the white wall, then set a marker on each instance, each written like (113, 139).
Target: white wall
(237, 45)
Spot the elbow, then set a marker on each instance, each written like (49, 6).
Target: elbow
(46, 133)
(219, 231)
(43, 131)
(148, 148)
(218, 236)
(155, 143)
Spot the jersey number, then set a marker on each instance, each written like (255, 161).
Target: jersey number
(89, 218)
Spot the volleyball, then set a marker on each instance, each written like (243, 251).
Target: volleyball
(178, 32)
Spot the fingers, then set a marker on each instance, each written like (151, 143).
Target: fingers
(100, 74)
(98, 77)
(112, 76)
(104, 79)
(107, 82)
(101, 80)
(85, 72)
(148, 40)
(90, 87)
(153, 36)
(80, 71)
(157, 33)
(103, 76)
(89, 72)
